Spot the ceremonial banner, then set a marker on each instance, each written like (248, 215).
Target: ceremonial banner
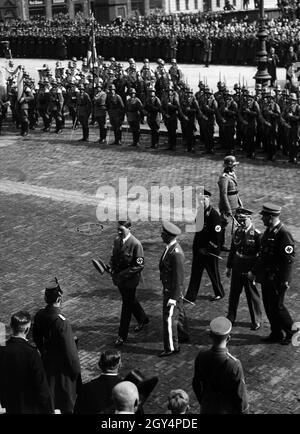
(20, 84)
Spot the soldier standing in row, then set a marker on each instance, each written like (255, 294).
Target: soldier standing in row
(153, 110)
(116, 110)
(23, 107)
(52, 334)
(189, 112)
(134, 113)
(84, 109)
(242, 258)
(170, 110)
(100, 111)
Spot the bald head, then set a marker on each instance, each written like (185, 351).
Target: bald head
(126, 397)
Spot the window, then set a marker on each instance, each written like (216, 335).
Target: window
(187, 5)
(234, 2)
(196, 4)
(177, 5)
(218, 3)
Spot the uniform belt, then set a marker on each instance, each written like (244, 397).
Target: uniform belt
(231, 193)
(241, 255)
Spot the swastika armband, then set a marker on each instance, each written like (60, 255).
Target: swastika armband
(289, 249)
(218, 228)
(140, 261)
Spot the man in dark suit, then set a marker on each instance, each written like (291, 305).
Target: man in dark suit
(171, 267)
(52, 334)
(206, 250)
(96, 395)
(23, 384)
(127, 263)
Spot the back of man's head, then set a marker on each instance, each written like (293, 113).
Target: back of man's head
(178, 401)
(110, 360)
(126, 397)
(20, 322)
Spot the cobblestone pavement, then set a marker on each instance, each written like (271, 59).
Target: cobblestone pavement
(48, 186)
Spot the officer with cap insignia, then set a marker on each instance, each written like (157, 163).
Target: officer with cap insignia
(126, 264)
(218, 382)
(229, 195)
(245, 247)
(171, 267)
(52, 334)
(275, 269)
(206, 250)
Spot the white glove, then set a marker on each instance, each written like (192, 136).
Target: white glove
(171, 302)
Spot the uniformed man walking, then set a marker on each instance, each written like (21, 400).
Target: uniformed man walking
(229, 195)
(275, 269)
(206, 250)
(171, 267)
(52, 334)
(218, 382)
(127, 263)
(245, 247)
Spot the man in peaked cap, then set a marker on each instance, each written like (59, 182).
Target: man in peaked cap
(171, 267)
(52, 334)
(229, 195)
(206, 250)
(218, 382)
(275, 267)
(242, 258)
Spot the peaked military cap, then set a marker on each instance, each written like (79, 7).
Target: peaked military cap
(170, 228)
(243, 211)
(270, 208)
(220, 326)
(53, 285)
(206, 193)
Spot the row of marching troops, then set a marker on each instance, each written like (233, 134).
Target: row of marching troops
(266, 119)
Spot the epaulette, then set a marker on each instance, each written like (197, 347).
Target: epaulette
(232, 357)
(61, 316)
(257, 231)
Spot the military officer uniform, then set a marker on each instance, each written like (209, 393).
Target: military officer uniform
(228, 111)
(218, 381)
(274, 270)
(229, 195)
(56, 101)
(53, 336)
(209, 109)
(42, 105)
(171, 267)
(206, 249)
(100, 111)
(127, 263)
(134, 109)
(189, 112)
(170, 110)
(84, 108)
(293, 119)
(153, 110)
(23, 105)
(115, 108)
(245, 247)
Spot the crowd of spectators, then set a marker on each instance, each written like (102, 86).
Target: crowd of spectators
(233, 42)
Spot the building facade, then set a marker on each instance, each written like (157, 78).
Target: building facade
(28, 9)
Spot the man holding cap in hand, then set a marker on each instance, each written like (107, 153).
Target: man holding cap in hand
(218, 381)
(275, 265)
